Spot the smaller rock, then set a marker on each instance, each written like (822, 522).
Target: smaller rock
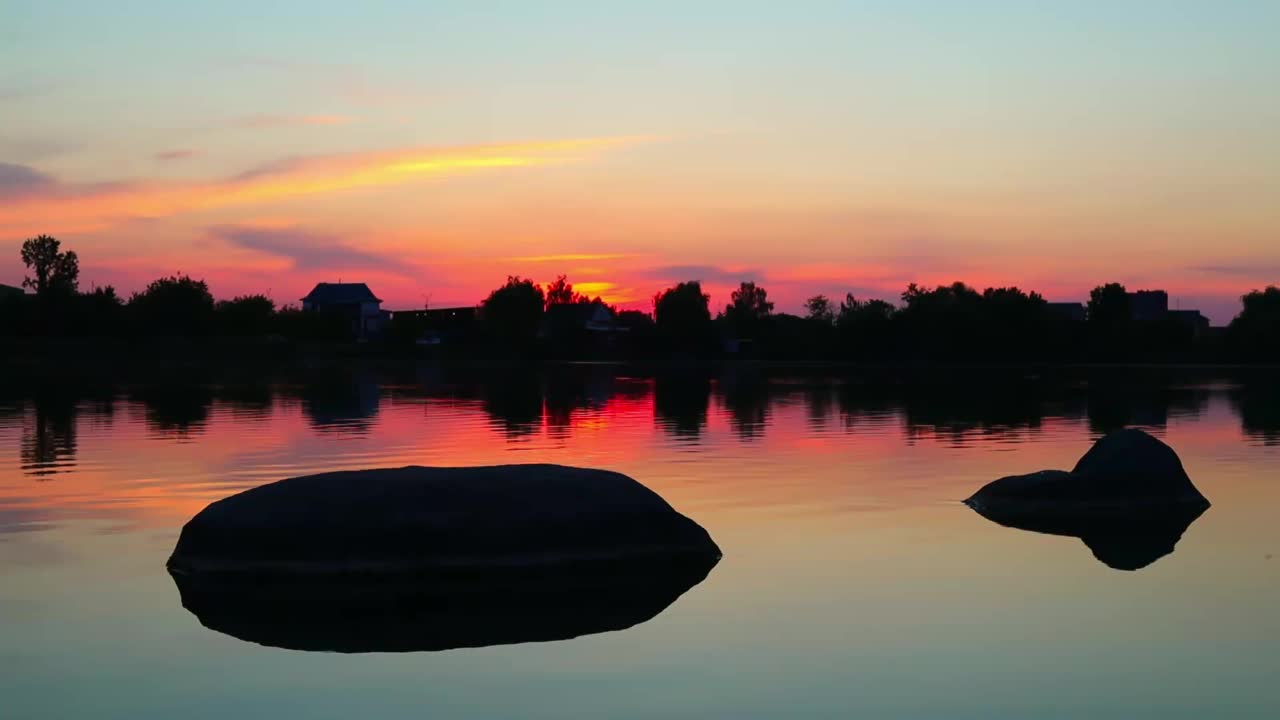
(1124, 468)
(1128, 499)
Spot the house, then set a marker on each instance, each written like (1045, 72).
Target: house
(1193, 320)
(9, 292)
(581, 330)
(1072, 311)
(577, 318)
(354, 301)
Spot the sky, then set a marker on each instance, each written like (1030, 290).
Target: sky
(433, 149)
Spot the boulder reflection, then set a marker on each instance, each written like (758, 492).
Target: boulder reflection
(1125, 539)
(375, 614)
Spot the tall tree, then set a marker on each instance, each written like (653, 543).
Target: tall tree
(1255, 332)
(1109, 306)
(176, 305)
(748, 305)
(561, 292)
(683, 313)
(514, 311)
(55, 271)
(819, 308)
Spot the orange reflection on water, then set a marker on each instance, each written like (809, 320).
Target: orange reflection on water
(736, 459)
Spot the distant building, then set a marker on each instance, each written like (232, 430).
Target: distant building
(354, 301)
(1148, 305)
(1073, 311)
(442, 325)
(9, 292)
(1192, 319)
(576, 318)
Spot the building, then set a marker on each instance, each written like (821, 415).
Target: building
(9, 292)
(1073, 311)
(354, 301)
(1148, 305)
(1193, 320)
(576, 318)
(440, 326)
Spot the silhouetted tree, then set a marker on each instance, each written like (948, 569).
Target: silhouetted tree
(748, 305)
(1254, 334)
(865, 327)
(245, 315)
(1015, 324)
(55, 271)
(293, 322)
(818, 308)
(1110, 319)
(98, 312)
(176, 305)
(560, 292)
(514, 311)
(683, 314)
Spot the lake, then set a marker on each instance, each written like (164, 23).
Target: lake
(854, 582)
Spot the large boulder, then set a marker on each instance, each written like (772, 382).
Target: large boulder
(438, 520)
(1128, 499)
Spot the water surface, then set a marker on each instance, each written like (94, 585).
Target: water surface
(854, 582)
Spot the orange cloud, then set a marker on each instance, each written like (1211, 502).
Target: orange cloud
(569, 257)
(62, 206)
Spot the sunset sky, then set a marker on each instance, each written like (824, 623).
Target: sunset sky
(432, 149)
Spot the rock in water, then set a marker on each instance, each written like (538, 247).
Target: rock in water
(1132, 464)
(421, 558)
(1128, 499)
(1125, 468)
(425, 520)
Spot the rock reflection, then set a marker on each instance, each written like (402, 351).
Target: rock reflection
(358, 615)
(1124, 540)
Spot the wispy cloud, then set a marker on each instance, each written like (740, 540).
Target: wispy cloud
(342, 80)
(17, 180)
(569, 257)
(275, 121)
(705, 273)
(55, 204)
(23, 91)
(1240, 269)
(307, 250)
(176, 154)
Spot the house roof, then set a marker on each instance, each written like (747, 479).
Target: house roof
(578, 312)
(340, 294)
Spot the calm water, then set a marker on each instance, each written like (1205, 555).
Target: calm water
(853, 581)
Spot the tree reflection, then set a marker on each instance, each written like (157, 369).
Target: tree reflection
(49, 438)
(1257, 402)
(174, 408)
(341, 401)
(514, 403)
(680, 404)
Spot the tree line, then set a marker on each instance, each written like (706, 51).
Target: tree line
(946, 323)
